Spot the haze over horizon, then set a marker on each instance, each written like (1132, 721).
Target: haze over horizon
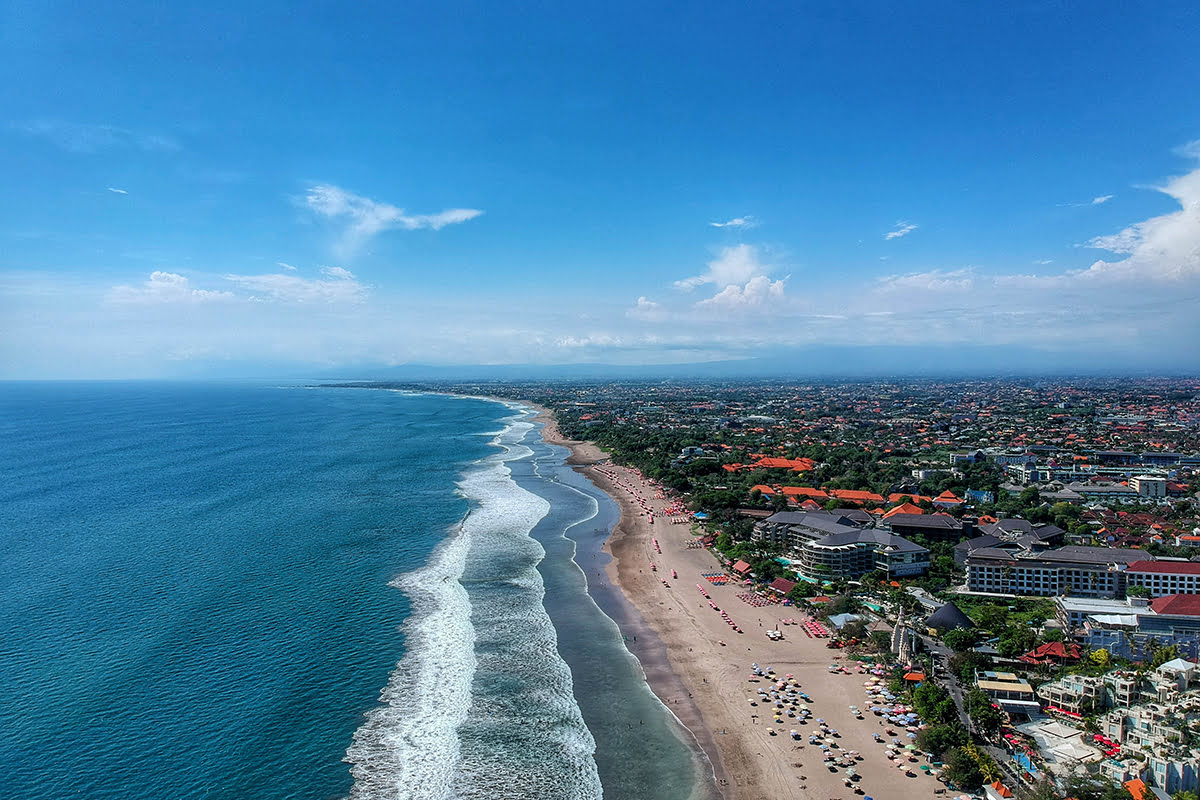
(839, 189)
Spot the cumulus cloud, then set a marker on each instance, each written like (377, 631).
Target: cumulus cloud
(736, 222)
(367, 218)
(646, 309)
(733, 265)
(1164, 248)
(741, 278)
(902, 229)
(756, 292)
(337, 285)
(164, 287)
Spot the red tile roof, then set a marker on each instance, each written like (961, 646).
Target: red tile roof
(782, 585)
(1180, 605)
(741, 566)
(1166, 567)
(1051, 650)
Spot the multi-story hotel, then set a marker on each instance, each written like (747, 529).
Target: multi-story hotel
(825, 546)
(1075, 570)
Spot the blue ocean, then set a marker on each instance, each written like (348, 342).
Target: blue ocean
(285, 591)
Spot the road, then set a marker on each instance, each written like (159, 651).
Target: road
(941, 656)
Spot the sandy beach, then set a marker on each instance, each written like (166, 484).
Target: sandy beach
(711, 663)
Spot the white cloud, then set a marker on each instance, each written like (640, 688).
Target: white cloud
(736, 222)
(734, 265)
(757, 292)
(742, 280)
(1104, 198)
(164, 287)
(285, 265)
(337, 286)
(646, 310)
(117, 191)
(366, 218)
(1166, 247)
(1189, 150)
(902, 229)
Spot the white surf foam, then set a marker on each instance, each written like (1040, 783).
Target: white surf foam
(408, 747)
(441, 733)
(525, 736)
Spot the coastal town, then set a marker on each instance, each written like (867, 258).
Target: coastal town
(1009, 572)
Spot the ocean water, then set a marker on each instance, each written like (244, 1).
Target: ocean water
(212, 591)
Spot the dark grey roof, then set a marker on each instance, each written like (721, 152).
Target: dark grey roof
(818, 522)
(924, 521)
(1096, 555)
(971, 545)
(857, 516)
(1072, 554)
(1048, 531)
(803, 517)
(1008, 526)
(880, 538)
(949, 617)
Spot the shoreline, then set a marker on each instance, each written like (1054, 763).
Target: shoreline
(698, 665)
(652, 651)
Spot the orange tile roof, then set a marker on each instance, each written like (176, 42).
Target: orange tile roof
(1137, 788)
(794, 464)
(907, 508)
(900, 497)
(804, 491)
(856, 495)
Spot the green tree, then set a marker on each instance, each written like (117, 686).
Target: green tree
(1043, 790)
(992, 617)
(965, 665)
(937, 739)
(962, 770)
(1016, 640)
(960, 640)
(986, 717)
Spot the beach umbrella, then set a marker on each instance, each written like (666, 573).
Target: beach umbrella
(912, 736)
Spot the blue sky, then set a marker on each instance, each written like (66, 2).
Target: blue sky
(287, 187)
